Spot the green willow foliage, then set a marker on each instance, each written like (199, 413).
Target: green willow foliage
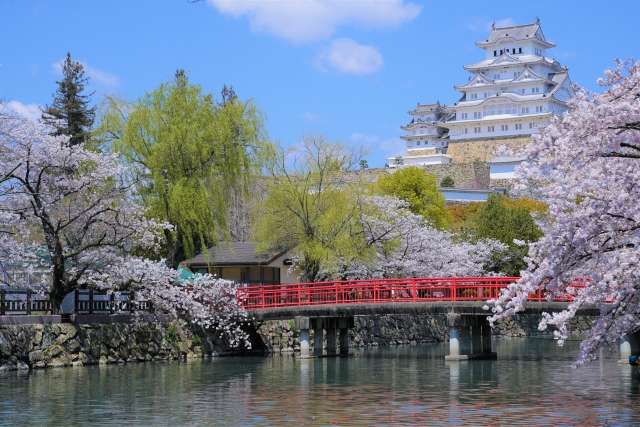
(190, 154)
(312, 206)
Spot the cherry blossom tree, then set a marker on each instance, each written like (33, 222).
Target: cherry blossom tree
(74, 203)
(405, 245)
(204, 300)
(69, 198)
(585, 167)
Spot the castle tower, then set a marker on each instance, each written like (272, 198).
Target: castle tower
(510, 94)
(425, 139)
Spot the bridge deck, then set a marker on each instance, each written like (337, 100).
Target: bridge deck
(467, 295)
(415, 308)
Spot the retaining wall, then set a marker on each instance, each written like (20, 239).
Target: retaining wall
(36, 346)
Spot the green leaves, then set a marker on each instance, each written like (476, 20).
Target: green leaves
(70, 114)
(507, 220)
(312, 205)
(191, 155)
(420, 190)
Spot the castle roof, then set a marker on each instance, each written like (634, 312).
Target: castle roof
(532, 31)
(508, 59)
(479, 80)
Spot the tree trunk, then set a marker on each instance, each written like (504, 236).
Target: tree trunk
(59, 286)
(310, 270)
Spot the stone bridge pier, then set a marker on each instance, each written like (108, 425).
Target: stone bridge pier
(630, 346)
(337, 335)
(469, 337)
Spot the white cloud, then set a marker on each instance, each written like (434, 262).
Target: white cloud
(30, 111)
(95, 74)
(307, 20)
(347, 56)
(483, 25)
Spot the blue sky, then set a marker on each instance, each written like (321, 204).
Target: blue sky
(347, 69)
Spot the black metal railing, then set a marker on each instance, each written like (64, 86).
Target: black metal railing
(80, 301)
(90, 301)
(23, 301)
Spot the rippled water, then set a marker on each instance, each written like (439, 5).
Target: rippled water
(532, 383)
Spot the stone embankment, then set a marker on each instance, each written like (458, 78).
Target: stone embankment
(67, 344)
(34, 346)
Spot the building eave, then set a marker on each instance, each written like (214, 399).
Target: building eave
(485, 44)
(497, 119)
(422, 156)
(460, 88)
(484, 65)
(507, 95)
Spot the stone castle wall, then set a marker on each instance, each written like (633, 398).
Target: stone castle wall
(483, 149)
(465, 175)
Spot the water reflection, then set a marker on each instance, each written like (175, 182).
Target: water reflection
(532, 383)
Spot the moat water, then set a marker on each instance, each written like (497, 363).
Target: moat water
(532, 383)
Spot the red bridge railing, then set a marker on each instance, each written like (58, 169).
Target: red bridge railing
(445, 289)
(373, 291)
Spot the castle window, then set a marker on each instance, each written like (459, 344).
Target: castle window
(477, 115)
(525, 110)
(518, 126)
(539, 109)
(476, 130)
(495, 53)
(466, 130)
(464, 116)
(530, 125)
(519, 50)
(504, 127)
(491, 128)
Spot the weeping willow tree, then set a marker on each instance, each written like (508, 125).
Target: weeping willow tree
(312, 206)
(190, 154)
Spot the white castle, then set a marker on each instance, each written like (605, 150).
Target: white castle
(510, 93)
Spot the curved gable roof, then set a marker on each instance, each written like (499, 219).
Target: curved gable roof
(230, 253)
(532, 31)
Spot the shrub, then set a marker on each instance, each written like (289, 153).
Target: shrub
(447, 181)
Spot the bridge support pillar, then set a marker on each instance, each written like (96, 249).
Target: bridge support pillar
(318, 336)
(469, 337)
(332, 340)
(629, 346)
(337, 329)
(344, 324)
(302, 323)
(486, 338)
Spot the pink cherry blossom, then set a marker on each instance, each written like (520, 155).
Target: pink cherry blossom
(585, 165)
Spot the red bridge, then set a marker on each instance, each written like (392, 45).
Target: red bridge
(330, 307)
(378, 291)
